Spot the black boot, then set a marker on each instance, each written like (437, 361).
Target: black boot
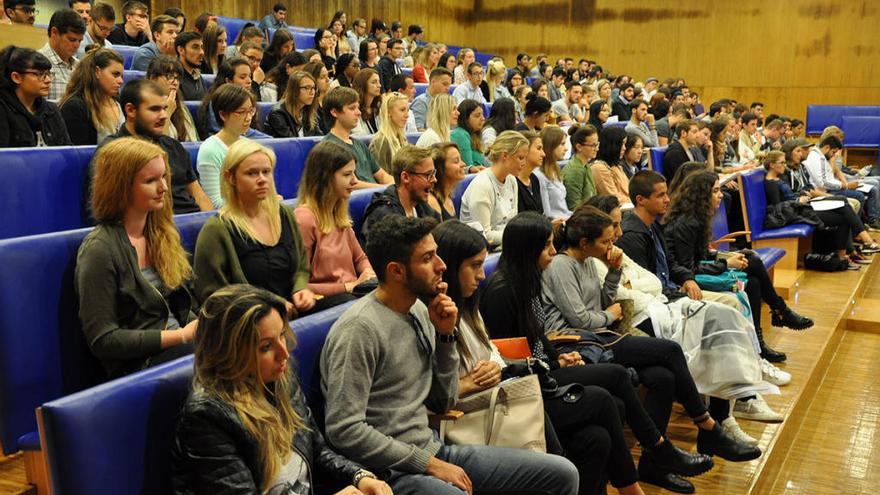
(785, 317)
(650, 473)
(768, 352)
(666, 457)
(717, 442)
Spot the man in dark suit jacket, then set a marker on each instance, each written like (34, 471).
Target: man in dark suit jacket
(679, 150)
(620, 105)
(387, 65)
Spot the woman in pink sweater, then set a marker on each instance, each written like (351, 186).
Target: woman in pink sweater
(339, 265)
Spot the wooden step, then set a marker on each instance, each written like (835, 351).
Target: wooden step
(864, 315)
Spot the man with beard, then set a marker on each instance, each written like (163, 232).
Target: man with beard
(414, 176)
(145, 104)
(391, 358)
(191, 53)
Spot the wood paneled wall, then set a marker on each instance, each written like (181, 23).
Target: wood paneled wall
(786, 54)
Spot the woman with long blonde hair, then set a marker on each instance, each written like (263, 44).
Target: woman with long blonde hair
(442, 115)
(495, 74)
(338, 263)
(253, 239)
(89, 105)
(393, 114)
(247, 416)
(466, 57)
(429, 57)
(131, 271)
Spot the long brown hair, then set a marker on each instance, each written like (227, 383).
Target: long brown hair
(116, 166)
(360, 85)
(552, 136)
(316, 186)
(84, 83)
(291, 95)
(210, 36)
(693, 199)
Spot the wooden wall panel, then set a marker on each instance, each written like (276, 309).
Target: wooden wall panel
(784, 53)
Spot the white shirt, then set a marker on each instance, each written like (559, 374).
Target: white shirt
(467, 92)
(428, 138)
(488, 205)
(820, 172)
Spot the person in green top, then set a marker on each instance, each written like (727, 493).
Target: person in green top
(577, 176)
(341, 105)
(468, 135)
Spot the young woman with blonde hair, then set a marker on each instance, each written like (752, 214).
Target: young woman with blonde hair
(429, 57)
(393, 114)
(253, 239)
(131, 271)
(466, 57)
(442, 113)
(338, 263)
(490, 200)
(297, 114)
(89, 105)
(247, 415)
(495, 74)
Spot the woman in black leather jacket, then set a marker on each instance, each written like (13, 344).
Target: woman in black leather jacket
(687, 231)
(246, 427)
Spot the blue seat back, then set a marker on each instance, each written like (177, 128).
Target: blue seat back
(131, 75)
(208, 79)
(233, 26)
(755, 199)
(421, 88)
(719, 226)
(860, 132)
(357, 206)
(303, 40)
(490, 265)
(821, 116)
(291, 154)
(407, 71)
(127, 53)
(311, 332)
(616, 124)
(459, 191)
(655, 158)
(483, 58)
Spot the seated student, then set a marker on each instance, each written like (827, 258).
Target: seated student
(89, 106)
(27, 119)
(19, 12)
(403, 84)
(66, 30)
(235, 72)
(325, 43)
(428, 61)
(164, 29)
(393, 115)
(414, 177)
(214, 42)
(273, 88)
(467, 134)
(514, 81)
(253, 53)
(341, 106)
(491, 199)
(243, 374)
(133, 30)
(527, 183)
(439, 81)
(248, 33)
(276, 20)
(568, 109)
(337, 28)
(465, 58)
(167, 72)
(750, 139)
(510, 304)
(450, 170)
(536, 113)
(501, 118)
(495, 74)
(641, 124)
(679, 150)
(722, 359)
(368, 54)
(633, 154)
(338, 263)
(549, 174)
(703, 151)
(607, 169)
(234, 106)
(322, 78)
(103, 18)
(442, 115)
(585, 431)
(253, 239)
(577, 176)
(297, 114)
(280, 46)
(541, 88)
(824, 176)
(132, 274)
(145, 103)
(347, 66)
(471, 90)
(369, 91)
(687, 226)
(399, 360)
(598, 114)
(191, 53)
(621, 103)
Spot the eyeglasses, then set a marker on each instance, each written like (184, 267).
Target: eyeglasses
(246, 112)
(480, 74)
(307, 89)
(171, 77)
(253, 59)
(28, 10)
(592, 145)
(44, 75)
(429, 176)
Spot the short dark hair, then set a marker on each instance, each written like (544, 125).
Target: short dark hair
(391, 43)
(71, 2)
(66, 21)
(103, 11)
(684, 126)
(636, 103)
(520, 56)
(571, 84)
(439, 72)
(132, 5)
(558, 71)
(398, 82)
(414, 29)
(642, 184)
(392, 240)
(472, 66)
(336, 99)
(832, 141)
(187, 37)
(175, 13)
(625, 86)
(278, 7)
(748, 117)
(134, 90)
(202, 21)
(755, 104)
(160, 21)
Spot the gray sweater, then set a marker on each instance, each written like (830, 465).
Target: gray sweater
(573, 296)
(379, 383)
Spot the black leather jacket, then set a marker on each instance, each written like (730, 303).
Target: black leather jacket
(687, 245)
(213, 453)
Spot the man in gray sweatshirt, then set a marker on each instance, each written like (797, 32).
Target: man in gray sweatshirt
(392, 357)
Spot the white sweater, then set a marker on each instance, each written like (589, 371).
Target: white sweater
(488, 204)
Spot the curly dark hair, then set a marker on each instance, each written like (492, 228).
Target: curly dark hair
(693, 200)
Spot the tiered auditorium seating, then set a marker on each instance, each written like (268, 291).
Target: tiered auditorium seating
(860, 132)
(821, 116)
(655, 158)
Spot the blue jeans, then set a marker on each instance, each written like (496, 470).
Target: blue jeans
(870, 201)
(494, 470)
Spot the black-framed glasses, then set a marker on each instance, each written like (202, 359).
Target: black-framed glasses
(308, 89)
(43, 75)
(429, 176)
(28, 10)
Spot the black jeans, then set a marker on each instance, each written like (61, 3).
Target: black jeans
(760, 289)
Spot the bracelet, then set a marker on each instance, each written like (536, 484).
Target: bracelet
(448, 339)
(363, 473)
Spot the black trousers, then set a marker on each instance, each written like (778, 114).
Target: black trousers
(760, 289)
(848, 225)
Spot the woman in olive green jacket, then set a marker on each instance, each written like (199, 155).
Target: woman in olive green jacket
(577, 175)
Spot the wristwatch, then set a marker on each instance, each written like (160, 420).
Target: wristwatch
(448, 339)
(358, 476)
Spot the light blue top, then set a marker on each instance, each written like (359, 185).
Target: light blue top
(209, 163)
(144, 55)
(466, 92)
(419, 108)
(87, 40)
(552, 196)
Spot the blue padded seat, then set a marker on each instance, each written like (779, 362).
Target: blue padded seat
(617, 124)
(421, 88)
(483, 58)
(406, 70)
(861, 132)
(233, 26)
(127, 53)
(460, 189)
(30, 442)
(655, 158)
(131, 75)
(208, 79)
(490, 265)
(303, 40)
(769, 255)
(821, 116)
(357, 205)
(311, 331)
(755, 203)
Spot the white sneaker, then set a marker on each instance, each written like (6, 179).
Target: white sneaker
(756, 410)
(774, 375)
(732, 428)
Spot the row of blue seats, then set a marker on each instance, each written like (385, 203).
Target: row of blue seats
(860, 131)
(43, 354)
(821, 116)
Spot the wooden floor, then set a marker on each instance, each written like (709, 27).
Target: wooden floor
(827, 443)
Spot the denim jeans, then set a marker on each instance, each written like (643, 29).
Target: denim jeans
(494, 470)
